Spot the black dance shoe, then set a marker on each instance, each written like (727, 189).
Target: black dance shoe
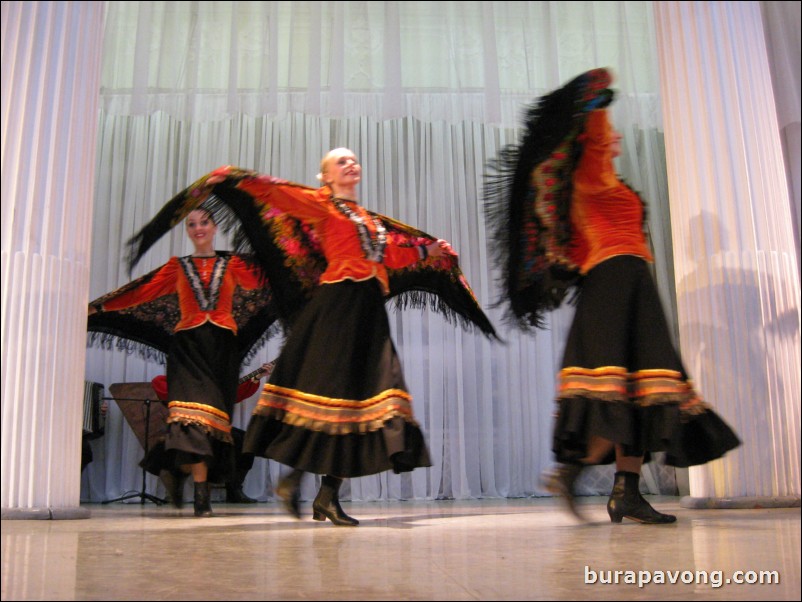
(627, 502)
(174, 483)
(235, 495)
(327, 504)
(289, 490)
(560, 481)
(203, 505)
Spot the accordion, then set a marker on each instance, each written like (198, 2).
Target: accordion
(94, 418)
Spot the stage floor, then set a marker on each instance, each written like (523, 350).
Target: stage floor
(493, 549)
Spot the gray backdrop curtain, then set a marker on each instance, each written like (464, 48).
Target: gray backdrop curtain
(425, 93)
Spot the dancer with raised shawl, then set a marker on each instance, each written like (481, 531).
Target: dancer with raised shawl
(564, 221)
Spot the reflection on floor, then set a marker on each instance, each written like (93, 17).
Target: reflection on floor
(508, 549)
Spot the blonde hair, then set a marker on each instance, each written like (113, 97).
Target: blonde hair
(326, 158)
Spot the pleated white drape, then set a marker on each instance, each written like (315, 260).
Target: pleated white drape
(781, 21)
(425, 93)
(737, 275)
(51, 74)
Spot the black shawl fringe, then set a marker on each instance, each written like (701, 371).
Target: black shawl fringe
(116, 341)
(533, 278)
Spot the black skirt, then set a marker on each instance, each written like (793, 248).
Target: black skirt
(336, 402)
(623, 380)
(202, 374)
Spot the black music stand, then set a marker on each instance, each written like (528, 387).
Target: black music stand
(143, 495)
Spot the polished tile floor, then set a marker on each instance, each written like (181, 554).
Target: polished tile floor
(508, 549)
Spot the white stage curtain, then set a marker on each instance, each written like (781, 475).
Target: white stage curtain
(781, 23)
(425, 93)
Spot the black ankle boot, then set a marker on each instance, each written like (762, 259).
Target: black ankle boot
(203, 502)
(560, 481)
(327, 504)
(174, 480)
(289, 490)
(627, 502)
(235, 495)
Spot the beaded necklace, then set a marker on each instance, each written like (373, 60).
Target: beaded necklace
(205, 295)
(373, 243)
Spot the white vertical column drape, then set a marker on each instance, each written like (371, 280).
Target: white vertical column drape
(734, 251)
(781, 22)
(50, 83)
